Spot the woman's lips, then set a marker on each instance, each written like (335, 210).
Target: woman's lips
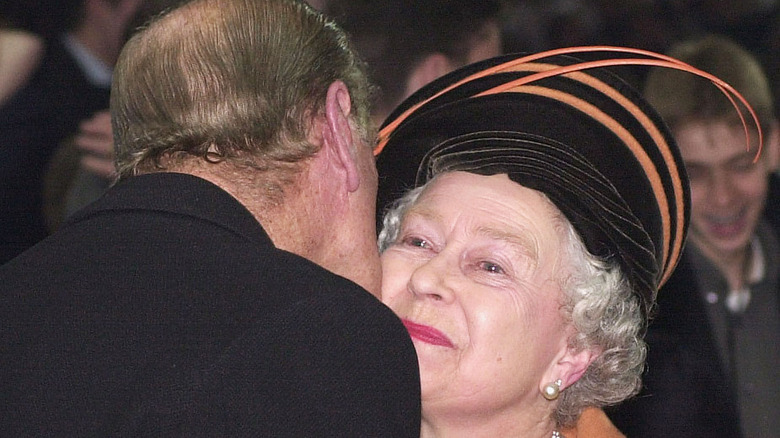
(427, 334)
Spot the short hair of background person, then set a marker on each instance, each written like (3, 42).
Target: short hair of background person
(679, 98)
(717, 319)
(225, 285)
(409, 43)
(547, 121)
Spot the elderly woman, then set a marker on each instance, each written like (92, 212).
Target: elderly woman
(550, 203)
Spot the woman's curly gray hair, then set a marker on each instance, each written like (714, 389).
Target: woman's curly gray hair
(600, 304)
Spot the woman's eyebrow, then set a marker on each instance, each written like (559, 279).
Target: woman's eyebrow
(419, 212)
(521, 241)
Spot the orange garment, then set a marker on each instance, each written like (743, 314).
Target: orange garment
(593, 423)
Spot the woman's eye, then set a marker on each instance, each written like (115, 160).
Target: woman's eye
(491, 267)
(417, 242)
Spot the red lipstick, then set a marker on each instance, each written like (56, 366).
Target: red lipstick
(427, 334)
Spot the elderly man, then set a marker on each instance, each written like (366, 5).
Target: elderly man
(205, 293)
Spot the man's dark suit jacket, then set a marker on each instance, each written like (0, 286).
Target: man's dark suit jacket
(164, 309)
(34, 122)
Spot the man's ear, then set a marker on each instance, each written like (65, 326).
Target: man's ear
(337, 133)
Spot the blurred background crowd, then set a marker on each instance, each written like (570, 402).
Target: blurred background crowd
(525, 25)
(56, 58)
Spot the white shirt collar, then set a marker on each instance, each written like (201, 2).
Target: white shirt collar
(738, 300)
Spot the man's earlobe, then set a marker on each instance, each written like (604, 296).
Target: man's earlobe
(338, 135)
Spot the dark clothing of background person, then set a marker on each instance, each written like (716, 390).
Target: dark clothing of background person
(772, 207)
(696, 383)
(179, 317)
(33, 123)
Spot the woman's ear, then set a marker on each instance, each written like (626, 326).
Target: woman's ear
(568, 367)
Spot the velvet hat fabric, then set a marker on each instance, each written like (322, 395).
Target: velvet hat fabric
(567, 128)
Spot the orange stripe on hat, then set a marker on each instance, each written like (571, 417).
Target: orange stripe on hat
(625, 136)
(657, 60)
(630, 141)
(632, 208)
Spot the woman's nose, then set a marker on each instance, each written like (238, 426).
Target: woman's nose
(434, 279)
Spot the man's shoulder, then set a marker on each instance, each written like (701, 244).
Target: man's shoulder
(326, 305)
(342, 360)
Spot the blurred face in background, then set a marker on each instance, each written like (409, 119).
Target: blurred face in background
(728, 189)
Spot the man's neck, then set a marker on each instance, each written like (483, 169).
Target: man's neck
(734, 265)
(332, 237)
(327, 239)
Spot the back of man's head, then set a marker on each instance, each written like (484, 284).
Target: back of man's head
(681, 97)
(229, 80)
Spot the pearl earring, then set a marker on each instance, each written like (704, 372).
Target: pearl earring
(552, 390)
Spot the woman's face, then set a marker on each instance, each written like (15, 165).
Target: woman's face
(474, 276)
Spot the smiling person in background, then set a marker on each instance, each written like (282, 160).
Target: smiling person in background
(527, 258)
(714, 347)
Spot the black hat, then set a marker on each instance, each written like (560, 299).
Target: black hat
(567, 128)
